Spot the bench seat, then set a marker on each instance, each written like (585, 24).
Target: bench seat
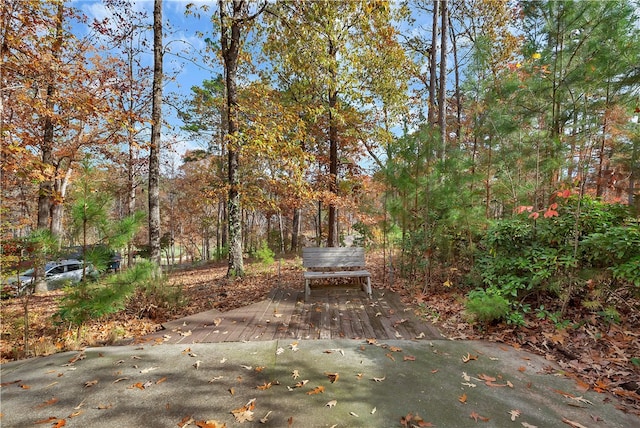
(335, 262)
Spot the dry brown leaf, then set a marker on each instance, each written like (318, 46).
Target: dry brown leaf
(316, 390)
(49, 402)
(245, 413)
(572, 423)
(408, 358)
(391, 357)
(333, 377)
(331, 403)
(476, 417)
(187, 420)
(463, 398)
(90, 383)
(264, 386)
(210, 424)
(469, 357)
(162, 379)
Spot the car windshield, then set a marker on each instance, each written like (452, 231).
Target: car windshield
(28, 272)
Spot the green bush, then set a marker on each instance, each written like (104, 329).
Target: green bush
(92, 300)
(486, 307)
(265, 255)
(521, 256)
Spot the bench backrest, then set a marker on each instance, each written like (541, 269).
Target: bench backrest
(333, 257)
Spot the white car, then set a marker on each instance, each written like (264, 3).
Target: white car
(56, 275)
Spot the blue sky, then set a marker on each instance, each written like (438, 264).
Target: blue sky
(181, 41)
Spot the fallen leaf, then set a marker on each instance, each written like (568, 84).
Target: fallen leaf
(469, 357)
(197, 364)
(232, 391)
(210, 424)
(162, 379)
(408, 358)
(331, 403)
(372, 341)
(149, 369)
(379, 379)
(514, 414)
(295, 374)
(355, 415)
(463, 398)
(316, 390)
(265, 419)
(395, 349)
(60, 423)
(572, 423)
(245, 413)
(49, 402)
(187, 420)
(333, 377)
(264, 386)
(391, 357)
(526, 425)
(475, 416)
(374, 410)
(90, 383)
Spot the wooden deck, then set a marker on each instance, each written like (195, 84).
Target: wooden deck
(330, 313)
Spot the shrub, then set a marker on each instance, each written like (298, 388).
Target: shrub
(486, 307)
(265, 255)
(557, 254)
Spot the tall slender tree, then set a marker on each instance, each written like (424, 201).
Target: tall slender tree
(234, 18)
(332, 53)
(156, 126)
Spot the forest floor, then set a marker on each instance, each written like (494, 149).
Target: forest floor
(601, 356)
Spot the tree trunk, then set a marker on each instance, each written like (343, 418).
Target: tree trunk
(57, 210)
(156, 125)
(432, 64)
(442, 91)
(332, 237)
(295, 230)
(45, 193)
(230, 28)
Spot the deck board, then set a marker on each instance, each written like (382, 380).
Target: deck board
(330, 313)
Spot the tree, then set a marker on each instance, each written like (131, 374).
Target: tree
(234, 17)
(56, 102)
(156, 126)
(332, 52)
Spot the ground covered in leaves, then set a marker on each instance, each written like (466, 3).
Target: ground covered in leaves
(603, 356)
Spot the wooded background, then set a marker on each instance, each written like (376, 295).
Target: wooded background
(413, 126)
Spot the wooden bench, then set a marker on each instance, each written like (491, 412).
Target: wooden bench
(335, 262)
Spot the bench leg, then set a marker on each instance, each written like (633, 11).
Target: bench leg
(368, 290)
(307, 289)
